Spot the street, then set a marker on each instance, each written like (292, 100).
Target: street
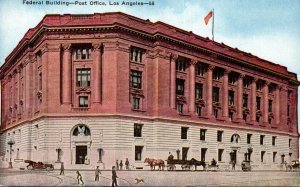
(14, 177)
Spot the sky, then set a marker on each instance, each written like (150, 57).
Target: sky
(269, 29)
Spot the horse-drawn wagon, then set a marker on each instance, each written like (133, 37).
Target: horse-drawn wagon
(38, 165)
(185, 164)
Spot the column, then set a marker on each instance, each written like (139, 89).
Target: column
(240, 97)
(277, 105)
(96, 77)
(225, 94)
(173, 82)
(209, 86)
(192, 86)
(18, 111)
(67, 74)
(265, 102)
(253, 99)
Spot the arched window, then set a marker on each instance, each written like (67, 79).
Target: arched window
(81, 130)
(235, 138)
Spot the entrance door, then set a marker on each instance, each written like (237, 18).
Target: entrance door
(233, 156)
(81, 152)
(185, 153)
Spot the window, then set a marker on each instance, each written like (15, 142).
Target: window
(220, 154)
(185, 151)
(83, 101)
(217, 74)
(180, 65)
(215, 94)
(290, 141)
(262, 139)
(288, 110)
(274, 157)
(246, 82)
(202, 134)
(282, 159)
(179, 86)
(270, 105)
(271, 88)
(230, 115)
(138, 153)
(135, 79)
(219, 136)
(289, 94)
(83, 77)
(262, 154)
(257, 103)
(249, 138)
(138, 130)
(216, 113)
(198, 90)
(135, 103)
(257, 119)
(40, 81)
(198, 110)
(200, 69)
(273, 140)
(179, 107)
(203, 154)
(232, 78)
(136, 54)
(184, 131)
(259, 85)
(245, 100)
(83, 53)
(245, 117)
(231, 97)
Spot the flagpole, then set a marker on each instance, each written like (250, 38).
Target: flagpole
(213, 23)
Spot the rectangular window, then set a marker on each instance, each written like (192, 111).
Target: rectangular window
(271, 88)
(245, 117)
(249, 138)
(180, 65)
(203, 154)
(245, 100)
(219, 136)
(216, 113)
(179, 86)
(198, 110)
(274, 157)
(289, 94)
(231, 98)
(83, 53)
(135, 79)
(259, 85)
(135, 103)
(138, 130)
(288, 110)
(262, 139)
(217, 74)
(216, 94)
(270, 105)
(185, 151)
(246, 82)
(200, 69)
(230, 115)
(257, 103)
(138, 153)
(184, 132)
(40, 81)
(83, 101)
(83, 77)
(290, 141)
(232, 78)
(220, 154)
(136, 54)
(273, 140)
(202, 134)
(198, 91)
(179, 107)
(262, 154)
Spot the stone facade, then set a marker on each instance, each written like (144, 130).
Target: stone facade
(92, 89)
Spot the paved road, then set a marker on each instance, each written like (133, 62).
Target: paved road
(151, 178)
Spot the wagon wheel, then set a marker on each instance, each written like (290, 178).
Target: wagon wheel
(49, 168)
(29, 167)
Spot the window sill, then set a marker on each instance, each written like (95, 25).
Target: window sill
(138, 110)
(182, 114)
(136, 62)
(82, 60)
(80, 109)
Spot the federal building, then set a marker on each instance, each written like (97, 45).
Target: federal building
(91, 89)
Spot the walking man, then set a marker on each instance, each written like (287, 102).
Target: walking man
(114, 177)
(62, 169)
(79, 177)
(97, 173)
(127, 164)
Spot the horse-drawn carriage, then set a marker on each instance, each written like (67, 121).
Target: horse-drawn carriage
(295, 165)
(38, 165)
(185, 164)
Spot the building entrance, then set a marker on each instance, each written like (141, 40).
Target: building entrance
(233, 156)
(81, 153)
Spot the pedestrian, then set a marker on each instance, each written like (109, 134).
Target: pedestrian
(121, 165)
(62, 169)
(127, 164)
(79, 177)
(233, 165)
(117, 164)
(114, 177)
(97, 173)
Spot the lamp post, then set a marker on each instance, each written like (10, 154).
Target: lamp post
(10, 143)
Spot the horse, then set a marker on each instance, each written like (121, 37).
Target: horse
(155, 162)
(150, 162)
